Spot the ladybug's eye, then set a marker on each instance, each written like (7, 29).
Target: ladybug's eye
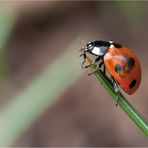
(117, 68)
(89, 46)
(131, 62)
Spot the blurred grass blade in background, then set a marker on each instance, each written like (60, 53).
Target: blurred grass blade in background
(7, 21)
(39, 95)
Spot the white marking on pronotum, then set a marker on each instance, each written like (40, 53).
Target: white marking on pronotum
(111, 42)
(99, 50)
(111, 46)
(96, 50)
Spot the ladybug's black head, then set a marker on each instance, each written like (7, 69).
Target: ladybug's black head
(89, 47)
(99, 44)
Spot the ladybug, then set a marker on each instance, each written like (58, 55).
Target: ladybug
(121, 63)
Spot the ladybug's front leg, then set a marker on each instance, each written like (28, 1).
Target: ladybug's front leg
(84, 55)
(94, 62)
(98, 66)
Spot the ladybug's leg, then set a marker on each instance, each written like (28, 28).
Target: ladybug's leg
(115, 85)
(102, 64)
(84, 55)
(94, 62)
(104, 69)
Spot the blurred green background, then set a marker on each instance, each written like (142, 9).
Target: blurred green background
(46, 98)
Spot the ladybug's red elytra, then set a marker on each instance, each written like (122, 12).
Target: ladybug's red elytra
(121, 63)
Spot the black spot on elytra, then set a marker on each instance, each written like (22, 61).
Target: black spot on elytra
(117, 68)
(131, 62)
(132, 84)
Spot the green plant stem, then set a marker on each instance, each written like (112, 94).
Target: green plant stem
(128, 108)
